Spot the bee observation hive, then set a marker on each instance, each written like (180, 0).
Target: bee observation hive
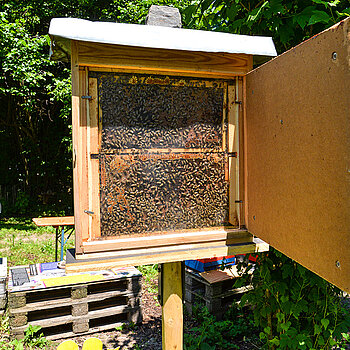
(157, 135)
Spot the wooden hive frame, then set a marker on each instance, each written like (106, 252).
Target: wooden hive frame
(97, 57)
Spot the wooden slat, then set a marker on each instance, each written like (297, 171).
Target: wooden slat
(54, 221)
(159, 71)
(82, 155)
(172, 308)
(54, 303)
(298, 154)
(93, 148)
(76, 147)
(240, 184)
(171, 254)
(118, 56)
(232, 236)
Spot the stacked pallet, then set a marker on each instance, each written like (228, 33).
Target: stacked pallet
(70, 310)
(215, 289)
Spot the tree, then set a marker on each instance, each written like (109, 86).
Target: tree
(288, 22)
(35, 121)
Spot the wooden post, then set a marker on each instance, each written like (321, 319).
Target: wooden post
(172, 306)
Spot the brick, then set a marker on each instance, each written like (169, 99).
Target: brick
(79, 292)
(17, 300)
(80, 309)
(81, 327)
(18, 320)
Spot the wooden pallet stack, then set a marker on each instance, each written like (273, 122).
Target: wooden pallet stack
(71, 310)
(215, 289)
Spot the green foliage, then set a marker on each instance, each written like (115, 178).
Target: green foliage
(22, 242)
(32, 339)
(288, 22)
(22, 202)
(210, 334)
(294, 308)
(150, 274)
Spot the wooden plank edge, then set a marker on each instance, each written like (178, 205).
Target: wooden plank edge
(175, 254)
(51, 304)
(234, 235)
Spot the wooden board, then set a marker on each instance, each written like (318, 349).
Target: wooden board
(161, 60)
(167, 254)
(172, 308)
(54, 221)
(298, 154)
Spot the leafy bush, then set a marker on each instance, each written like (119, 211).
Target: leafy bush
(294, 308)
(289, 22)
(210, 334)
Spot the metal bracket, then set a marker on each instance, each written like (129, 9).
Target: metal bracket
(87, 97)
(239, 201)
(237, 102)
(94, 155)
(232, 154)
(89, 212)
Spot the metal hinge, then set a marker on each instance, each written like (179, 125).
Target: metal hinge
(237, 102)
(239, 201)
(87, 97)
(232, 154)
(89, 212)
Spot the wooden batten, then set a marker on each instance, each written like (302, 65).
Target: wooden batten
(93, 148)
(76, 143)
(170, 254)
(160, 61)
(231, 236)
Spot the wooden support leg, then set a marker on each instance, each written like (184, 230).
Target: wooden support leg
(172, 308)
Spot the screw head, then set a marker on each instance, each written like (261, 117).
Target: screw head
(281, 121)
(334, 56)
(337, 264)
(254, 217)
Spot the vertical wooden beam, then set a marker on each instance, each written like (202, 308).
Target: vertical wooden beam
(82, 154)
(75, 138)
(93, 148)
(232, 141)
(243, 144)
(172, 309)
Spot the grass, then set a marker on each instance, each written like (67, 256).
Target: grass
(150, 274)
(23, 243)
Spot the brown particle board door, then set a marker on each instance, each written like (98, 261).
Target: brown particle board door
(297, 154)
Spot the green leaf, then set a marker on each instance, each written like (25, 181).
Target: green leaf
(274, 341)
(280, 316)
(325, 323)
(267, 330)
(285, 326)
(304, 17)
(319, 17)
(345, 12)
(327, 3)
(206, 4)
(206, 346)
(317, 329)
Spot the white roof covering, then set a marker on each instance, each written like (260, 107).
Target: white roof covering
(160, 37)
